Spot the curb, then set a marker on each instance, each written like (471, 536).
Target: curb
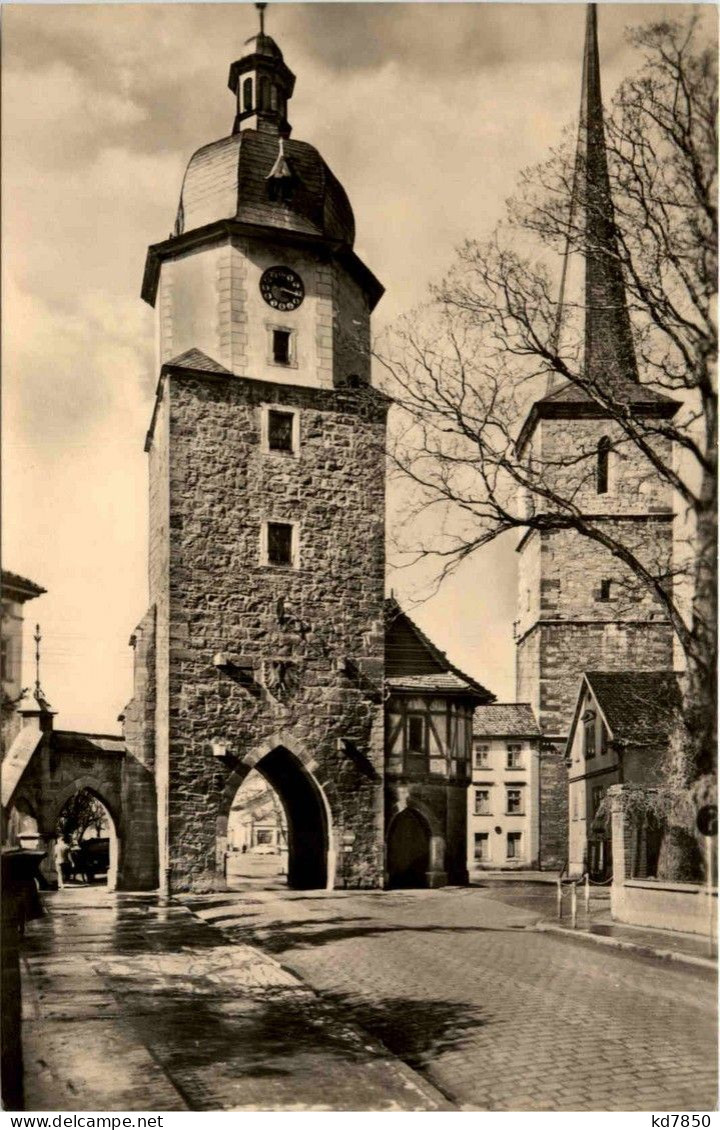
(632, 947)
(411, 1078)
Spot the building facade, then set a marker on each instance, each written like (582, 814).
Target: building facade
(265, 645)
(579, 607)
(503, 811)
(428, 747)
(619, 735)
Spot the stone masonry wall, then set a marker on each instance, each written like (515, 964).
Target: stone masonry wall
(139, 716)
(568, 450)
(323, 619)
(565, 626)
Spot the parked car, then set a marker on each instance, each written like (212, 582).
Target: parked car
(93, 858)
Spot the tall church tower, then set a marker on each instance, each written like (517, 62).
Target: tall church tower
(579, 607)
(264, 644)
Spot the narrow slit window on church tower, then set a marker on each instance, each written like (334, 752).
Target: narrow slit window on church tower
(605, 590)
(603, 465)
(281, 347)
(247, 94)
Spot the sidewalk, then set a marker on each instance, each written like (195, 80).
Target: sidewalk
(131, 1005)
(668, 945)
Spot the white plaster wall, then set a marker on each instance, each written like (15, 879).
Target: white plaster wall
(188, 306)
(210, 300)
(498, 777)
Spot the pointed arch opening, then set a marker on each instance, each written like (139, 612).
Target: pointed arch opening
(408, 850)
(278, 827)
(86, 841)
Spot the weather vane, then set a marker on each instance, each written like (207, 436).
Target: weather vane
(261, 9)
(37, 637)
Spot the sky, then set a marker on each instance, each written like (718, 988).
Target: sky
(426, 112)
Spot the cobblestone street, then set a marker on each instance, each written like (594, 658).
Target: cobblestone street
(495, 1016)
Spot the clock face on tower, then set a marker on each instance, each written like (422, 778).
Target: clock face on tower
(282, 288)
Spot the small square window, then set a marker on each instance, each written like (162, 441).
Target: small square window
(514, 757)
(281, 347)
(482, 802)
(416, 733)
(514, 845)
(514, 802)
(264, 836)
(482, 840)
(279, 543)
(280, 430)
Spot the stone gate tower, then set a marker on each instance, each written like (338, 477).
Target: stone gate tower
(579, 608)
(264, 645)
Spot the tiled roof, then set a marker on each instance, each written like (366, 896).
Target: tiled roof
(411, 656)
(226, 180)
(639, 706)
(196, 359)
(505, 720)
(19, 588)
(443, 681)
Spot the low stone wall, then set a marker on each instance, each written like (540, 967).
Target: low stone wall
(640, 901)
(668, 906)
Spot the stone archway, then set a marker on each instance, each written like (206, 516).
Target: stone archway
(90, 786)
(307, 812)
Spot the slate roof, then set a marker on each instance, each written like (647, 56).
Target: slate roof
(570, 401)
(638, 706)
(196, 359)
(413, 662)
(15, 587)
(78, 742)
(226, 180)
(505, 720)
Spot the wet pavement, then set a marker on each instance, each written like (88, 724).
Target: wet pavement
(459, 985)
(130, 1005)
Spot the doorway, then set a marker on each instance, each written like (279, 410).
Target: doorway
(408, 850)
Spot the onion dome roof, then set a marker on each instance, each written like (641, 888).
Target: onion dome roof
(229, 180)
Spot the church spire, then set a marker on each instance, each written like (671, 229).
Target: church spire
(609, 350)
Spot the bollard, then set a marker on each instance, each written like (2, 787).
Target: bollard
(559, 898)
(587, 893)
(573, 905)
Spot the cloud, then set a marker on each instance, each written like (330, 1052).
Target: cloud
(426, 112)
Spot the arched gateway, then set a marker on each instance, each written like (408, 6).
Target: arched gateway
(310, 861)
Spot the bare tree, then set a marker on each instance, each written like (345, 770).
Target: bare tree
(81, 813)
(468, 370)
